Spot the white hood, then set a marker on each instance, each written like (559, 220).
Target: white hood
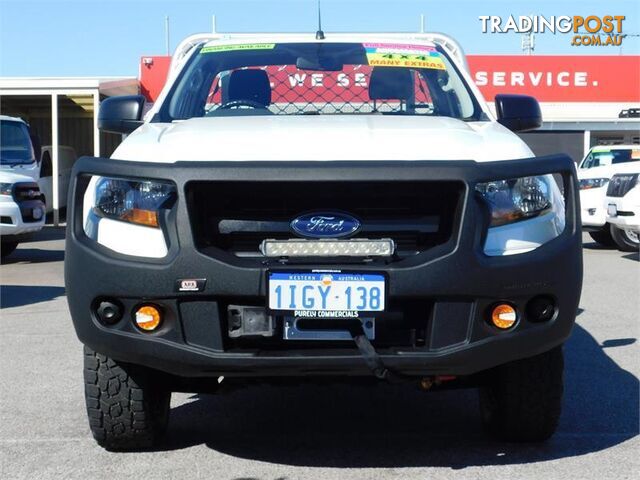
(31, 170)
(330, 137)
(8, 176)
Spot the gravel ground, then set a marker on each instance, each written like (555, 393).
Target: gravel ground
(310, 432)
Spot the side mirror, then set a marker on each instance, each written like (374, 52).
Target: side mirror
(37, 146)
(121, 114)
(518, 113)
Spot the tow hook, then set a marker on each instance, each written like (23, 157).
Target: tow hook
(371, 357)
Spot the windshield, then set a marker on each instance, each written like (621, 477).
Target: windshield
(319, 79)
(15, 144)
(600, 158)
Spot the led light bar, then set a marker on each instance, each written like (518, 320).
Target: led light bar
(360, 247)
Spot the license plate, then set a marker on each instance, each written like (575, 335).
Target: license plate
(612, 210)
(319, 294)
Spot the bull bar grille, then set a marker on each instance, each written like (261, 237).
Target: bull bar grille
(237, 217)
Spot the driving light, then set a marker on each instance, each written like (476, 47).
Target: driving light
(589, 183)
(328, 248)
(516, 199)
(5, 188)
(132, 201)
(148, 318)
(503, 316)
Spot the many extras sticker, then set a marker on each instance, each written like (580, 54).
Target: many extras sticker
(407, 56)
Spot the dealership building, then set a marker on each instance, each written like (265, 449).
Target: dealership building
(585, 101)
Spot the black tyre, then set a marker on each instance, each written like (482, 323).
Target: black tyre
(603, 236)
(523, 399)
(127, 408)
(627, 240)
(7, 248)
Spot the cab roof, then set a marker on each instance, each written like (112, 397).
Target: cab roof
(608, 148)
(428, 39)
(299, 38)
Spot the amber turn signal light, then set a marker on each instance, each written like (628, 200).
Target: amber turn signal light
(503, 316)
(148, 218)
(148, 318)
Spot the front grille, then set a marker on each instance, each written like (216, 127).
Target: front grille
(620, 184)
(23, 192)
(6, 220)
(237, 217)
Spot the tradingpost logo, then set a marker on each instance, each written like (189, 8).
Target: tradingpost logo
(592, 30)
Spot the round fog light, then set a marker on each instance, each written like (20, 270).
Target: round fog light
(148, 318)
(503, 316)
(541, 309)
(109, 312)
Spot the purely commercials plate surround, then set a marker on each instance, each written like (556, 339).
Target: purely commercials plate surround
(326, 293)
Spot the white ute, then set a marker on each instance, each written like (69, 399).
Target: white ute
(336, 206)
(594, 173)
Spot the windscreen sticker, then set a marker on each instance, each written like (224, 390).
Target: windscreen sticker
(236, 48)
(398, 47)
(407, 56)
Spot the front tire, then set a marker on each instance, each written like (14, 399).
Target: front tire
(603, 236)
(127, 408)
(522, 400)
(7, 248)
(626, 239)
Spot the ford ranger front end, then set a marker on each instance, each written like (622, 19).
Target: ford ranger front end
(334, 208)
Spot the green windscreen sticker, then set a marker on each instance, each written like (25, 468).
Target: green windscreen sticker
(237, 48)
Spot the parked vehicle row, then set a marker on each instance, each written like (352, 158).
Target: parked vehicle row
(610, 204)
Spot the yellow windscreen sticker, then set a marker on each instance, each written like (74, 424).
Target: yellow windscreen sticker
(407, 56)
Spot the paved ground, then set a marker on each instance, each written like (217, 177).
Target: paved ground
(340, 433)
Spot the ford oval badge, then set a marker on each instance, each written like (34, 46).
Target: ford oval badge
(325, 225)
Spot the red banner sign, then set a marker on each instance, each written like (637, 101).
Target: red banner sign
(569, 78)
(575, 78)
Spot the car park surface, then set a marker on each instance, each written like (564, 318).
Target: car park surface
(329, 432)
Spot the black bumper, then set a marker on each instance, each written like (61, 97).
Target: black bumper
(459, 281)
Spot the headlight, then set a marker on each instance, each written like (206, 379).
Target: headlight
(516, 199)
(5, 188)
(588, 183)
(132, 201)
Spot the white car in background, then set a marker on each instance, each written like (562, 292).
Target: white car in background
(594, 173)
(21, 210)
(66, 158)
(20, 153)
(622, 204)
